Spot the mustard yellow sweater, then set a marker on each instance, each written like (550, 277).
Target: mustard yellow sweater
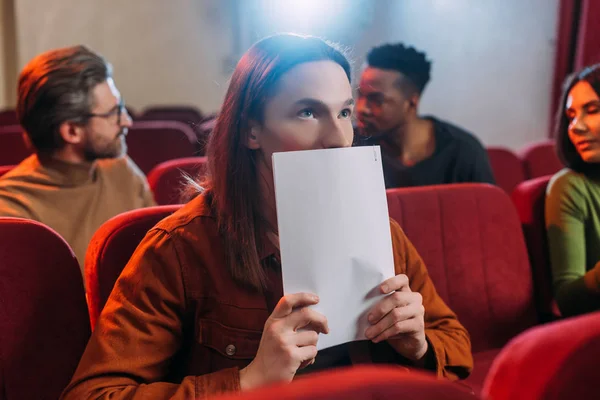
(73, 199)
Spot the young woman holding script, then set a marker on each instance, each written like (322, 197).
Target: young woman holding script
(200, 309)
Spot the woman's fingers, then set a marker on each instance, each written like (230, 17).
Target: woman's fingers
(289, 302)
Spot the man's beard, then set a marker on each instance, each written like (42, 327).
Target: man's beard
(114, 149)
(371, 133)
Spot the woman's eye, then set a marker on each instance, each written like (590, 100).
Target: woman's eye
(306, 113)
(346, 113)
(592, 110)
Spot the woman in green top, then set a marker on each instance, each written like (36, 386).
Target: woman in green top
(573, 197)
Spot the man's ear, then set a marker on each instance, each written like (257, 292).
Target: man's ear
(71, 132)
(413, 101)
(253, 142)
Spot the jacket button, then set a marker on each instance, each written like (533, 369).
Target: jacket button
(230, 350)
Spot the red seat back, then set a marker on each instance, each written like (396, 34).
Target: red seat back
(360, 383)
(166, 179)
(529, 199)
(540, 159)
(553, 361)
(507, 168)
(13, 146)
(470, 238)
(8, 117)
(152, 142)
(44, 324)
(5, 168)
(188, 115)
(110, 249)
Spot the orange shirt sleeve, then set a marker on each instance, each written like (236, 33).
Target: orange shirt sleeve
(140, 331)
(447, 338)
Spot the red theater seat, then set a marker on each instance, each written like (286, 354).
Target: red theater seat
(13, 146)
(529, 199)
(166, 179)
(110, 249)
(470, 238)
(188, 115)
(152, 142)
(5, 168)
(540, 159)
(44, 323)
(8, 117)
(507, 168)
(554, 361)
(360, 383)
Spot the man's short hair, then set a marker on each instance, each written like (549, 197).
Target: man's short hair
(408, 61)
(55, 87)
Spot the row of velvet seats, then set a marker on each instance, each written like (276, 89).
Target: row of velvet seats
(164, 149)
(149, 143)
(469, 236)
(533, 161)
(187, 114)
(165, 133)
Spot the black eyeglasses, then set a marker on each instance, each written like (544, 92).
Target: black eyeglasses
(117, 110)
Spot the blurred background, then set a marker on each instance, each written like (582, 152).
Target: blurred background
(495, 70)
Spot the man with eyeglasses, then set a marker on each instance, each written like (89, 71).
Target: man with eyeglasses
(79, 177)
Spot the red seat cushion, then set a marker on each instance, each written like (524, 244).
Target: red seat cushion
(360, 383)
(152, 142)
(507, 167)
(44, 324)
(558, 360)
(167, 179)
(540, 159)
(111, 248)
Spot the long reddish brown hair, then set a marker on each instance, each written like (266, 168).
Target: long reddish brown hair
(231, 184)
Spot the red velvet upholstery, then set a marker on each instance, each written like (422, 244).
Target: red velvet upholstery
(553, 361)
(188, 115)
(152, 142)
(166, 179)
(8, 117)
(360, 383)
(540, 159)
(13, 146)
(470, 238)
(529, 198)
(5, 168)
(507, 168)
(110, 249)
(44, 324)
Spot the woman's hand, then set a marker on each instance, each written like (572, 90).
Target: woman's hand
(400, 315)
(283, 348)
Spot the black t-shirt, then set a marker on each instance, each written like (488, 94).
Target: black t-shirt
(458, 157)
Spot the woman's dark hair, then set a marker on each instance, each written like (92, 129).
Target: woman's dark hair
(567, 152)
(231, 184)
(54, 87)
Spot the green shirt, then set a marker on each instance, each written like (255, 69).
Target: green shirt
(573, 227)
